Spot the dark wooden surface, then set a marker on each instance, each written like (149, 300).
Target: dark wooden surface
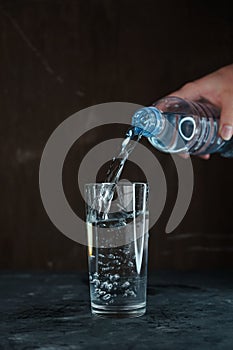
(58, 57)
(52, 311)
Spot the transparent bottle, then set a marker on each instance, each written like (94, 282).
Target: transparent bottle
(176, 125)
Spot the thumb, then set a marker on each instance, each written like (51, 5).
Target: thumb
(226, 120)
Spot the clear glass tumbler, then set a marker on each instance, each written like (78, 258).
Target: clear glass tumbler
(117, 231)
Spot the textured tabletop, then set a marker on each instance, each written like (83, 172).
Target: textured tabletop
(48, 311)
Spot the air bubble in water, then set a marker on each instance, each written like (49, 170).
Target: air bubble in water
(96, 282)
(104, 269)
(114, 278)
(129, 293)
(132, 293)
(102, 292)
(125, 285)
(106, 286)
(117, 262)
(111, 256)
(109, 286)
(115, 285)
(106, 297)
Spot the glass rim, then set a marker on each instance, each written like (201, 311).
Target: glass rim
(117, 184)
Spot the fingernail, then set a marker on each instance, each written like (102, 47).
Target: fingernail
(226, 131)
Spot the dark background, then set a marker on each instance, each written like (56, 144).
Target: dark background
(58, 57)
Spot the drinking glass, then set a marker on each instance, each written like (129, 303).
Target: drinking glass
(117, 231)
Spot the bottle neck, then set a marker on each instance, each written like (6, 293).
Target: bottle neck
(148, 121)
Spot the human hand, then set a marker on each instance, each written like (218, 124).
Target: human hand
(217, 87)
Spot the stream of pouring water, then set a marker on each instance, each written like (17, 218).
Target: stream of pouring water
(127, 146)
(103, 201)
(115, 170)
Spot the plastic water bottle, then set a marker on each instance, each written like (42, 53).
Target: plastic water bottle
(176, 125)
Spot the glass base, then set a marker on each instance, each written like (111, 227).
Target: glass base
(118, 311)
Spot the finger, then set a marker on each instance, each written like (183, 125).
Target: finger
(226, 120)
(206, 87)
(205, 156)
(187, 155)
(189, 91)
